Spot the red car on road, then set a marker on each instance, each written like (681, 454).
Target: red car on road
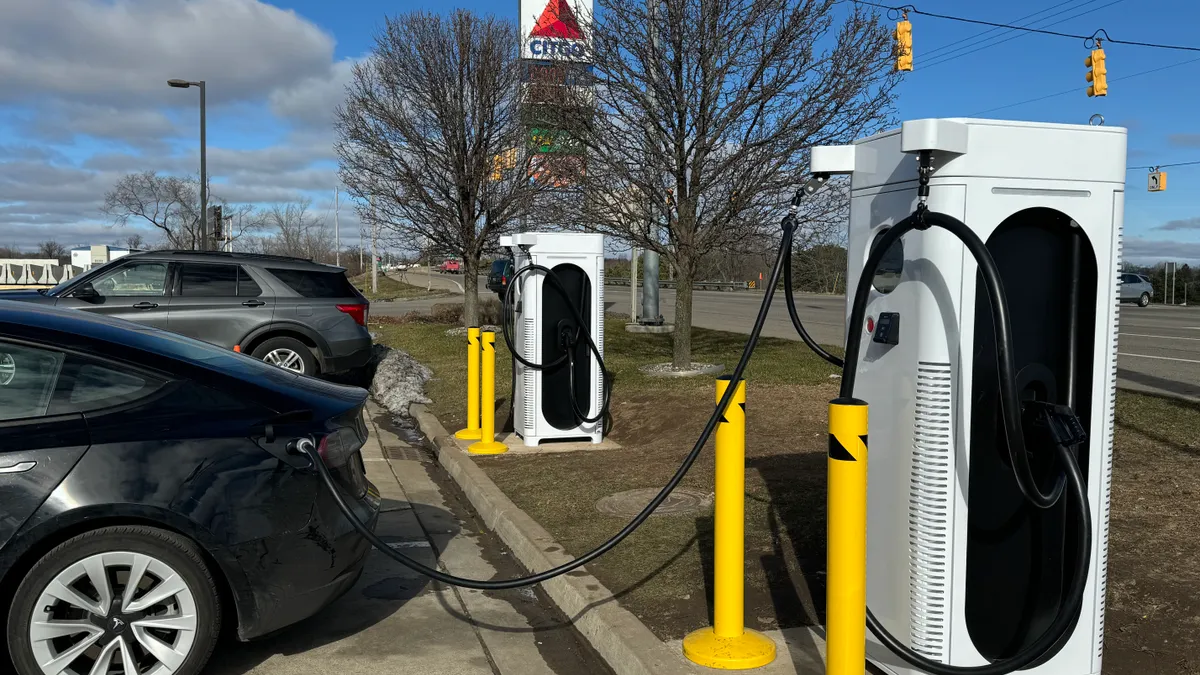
(451, 267)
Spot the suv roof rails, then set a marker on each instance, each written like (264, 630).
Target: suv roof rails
(227, 254)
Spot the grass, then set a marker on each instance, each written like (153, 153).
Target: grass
(391, 289)
(662, 573)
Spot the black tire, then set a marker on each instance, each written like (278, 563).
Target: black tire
(286, 344)
(1144, 301)
(178, 552)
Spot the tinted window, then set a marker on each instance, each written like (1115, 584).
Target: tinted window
(247, 288)
(136, 279)
(101, 386)
(887, 275)
(208, 281)
(316, 284)
(498, 267)
(27, 380)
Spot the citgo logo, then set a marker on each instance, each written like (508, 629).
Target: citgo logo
(557, 32)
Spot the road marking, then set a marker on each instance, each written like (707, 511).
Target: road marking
(1160, 337)
(1157, 358)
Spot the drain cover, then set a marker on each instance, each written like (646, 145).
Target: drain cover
(408, 453)
(681, 502)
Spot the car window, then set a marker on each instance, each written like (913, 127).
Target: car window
(498, 266)
(208, 281)
(98, 385)
(246, 286)
(28, 376)
(316, 283)
(1144, 280)
(135, 279)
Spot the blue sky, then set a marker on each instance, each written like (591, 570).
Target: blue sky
(275, 71)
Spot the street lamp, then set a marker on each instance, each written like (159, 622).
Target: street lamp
(184, 84)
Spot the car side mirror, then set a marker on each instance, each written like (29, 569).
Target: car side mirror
(85, 292)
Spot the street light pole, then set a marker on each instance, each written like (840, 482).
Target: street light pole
(184, 84)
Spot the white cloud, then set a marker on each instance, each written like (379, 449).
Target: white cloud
(312, 101)
(1145, 251)
(124, 51)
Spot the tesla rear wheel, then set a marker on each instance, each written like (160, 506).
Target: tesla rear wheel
(287, 353)
(131, 599)
(1144, 301)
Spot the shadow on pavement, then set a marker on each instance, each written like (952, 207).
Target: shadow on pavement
(382, 590)
(1191, 389)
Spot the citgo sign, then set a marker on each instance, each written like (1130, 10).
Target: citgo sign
(556, 29)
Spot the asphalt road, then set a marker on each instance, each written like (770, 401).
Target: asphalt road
(1159, 347)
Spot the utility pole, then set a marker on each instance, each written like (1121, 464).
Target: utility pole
(337, 233)
(374, 250)
(650, 262)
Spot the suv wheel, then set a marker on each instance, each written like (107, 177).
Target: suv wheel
(287, 353)
(131, 599)
(1144, 301)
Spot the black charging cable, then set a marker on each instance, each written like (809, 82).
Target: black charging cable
(307, 447)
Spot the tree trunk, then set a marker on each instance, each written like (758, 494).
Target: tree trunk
(470, 282)
(681, 339)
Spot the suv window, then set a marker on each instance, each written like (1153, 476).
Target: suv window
(27, 379)
(208, 281)
(316, 284)
(135, 279)
(246, 286)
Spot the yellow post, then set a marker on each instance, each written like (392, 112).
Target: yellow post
(728, 644)
(472, 432)
(488, 445)
(846, 564)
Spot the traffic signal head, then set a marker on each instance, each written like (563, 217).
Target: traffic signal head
(904, 58)
(1097, 73)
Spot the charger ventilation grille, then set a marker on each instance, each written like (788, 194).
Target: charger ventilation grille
(529, 375)
(930, 493)
(1106, 455)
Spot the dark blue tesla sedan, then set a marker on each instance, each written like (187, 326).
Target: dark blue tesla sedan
(148, 497)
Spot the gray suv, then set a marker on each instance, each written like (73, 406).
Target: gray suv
(1136, 288)
(293, 313)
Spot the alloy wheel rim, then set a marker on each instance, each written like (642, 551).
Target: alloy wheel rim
(286, 359)
(114, 608)
(8, 369)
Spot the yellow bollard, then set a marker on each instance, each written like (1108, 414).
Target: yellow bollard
(846, 564)
(488, 445)
(729, 645)
(472, 432)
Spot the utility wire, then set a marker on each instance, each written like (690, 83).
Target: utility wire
(1163, 166)
(1001, 39)
(1074, 90)
(930, 53)
(1100, 34)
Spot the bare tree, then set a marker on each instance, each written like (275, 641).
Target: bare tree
(169, 203)
(52, 249)
(431, 136)
(135, 242)
(704, 111)
(295, 231)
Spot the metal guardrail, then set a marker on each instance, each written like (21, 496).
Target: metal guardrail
(696, 285)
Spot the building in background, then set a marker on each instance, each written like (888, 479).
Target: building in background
(86, 257)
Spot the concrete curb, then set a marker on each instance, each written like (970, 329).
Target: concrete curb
(621, 639)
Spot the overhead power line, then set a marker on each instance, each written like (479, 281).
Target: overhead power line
(1163, 166)
(1075, 90)
(1100, 34)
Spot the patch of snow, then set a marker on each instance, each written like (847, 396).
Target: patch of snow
(400, 381)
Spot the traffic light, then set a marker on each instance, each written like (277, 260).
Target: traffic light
(1097, 73)
(904, 58)
(215, 220)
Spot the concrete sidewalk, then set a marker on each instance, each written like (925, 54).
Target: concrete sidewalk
(395, 622)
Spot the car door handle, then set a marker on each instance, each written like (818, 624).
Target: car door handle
(253, 303)
(146, 305)
(19, 467)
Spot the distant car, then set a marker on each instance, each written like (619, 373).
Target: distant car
(499, 275)
(150, 499)
(451, 267)
(1136, 288)
(292, 313)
